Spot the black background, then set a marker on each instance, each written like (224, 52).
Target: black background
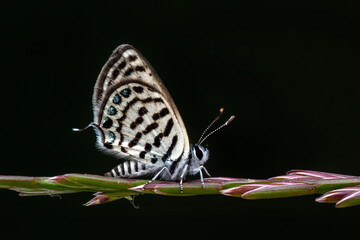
(289, 72)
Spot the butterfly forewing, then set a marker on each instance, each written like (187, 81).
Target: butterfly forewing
(135, 115)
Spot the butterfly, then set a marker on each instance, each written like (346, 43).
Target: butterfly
(136, 119)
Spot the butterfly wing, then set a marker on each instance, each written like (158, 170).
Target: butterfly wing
(134, 114)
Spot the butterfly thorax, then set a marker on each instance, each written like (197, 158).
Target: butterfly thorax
(191, 163)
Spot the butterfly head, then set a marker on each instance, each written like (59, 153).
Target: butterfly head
(199, 155)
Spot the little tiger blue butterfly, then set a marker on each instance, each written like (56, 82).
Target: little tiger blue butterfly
(136, 119)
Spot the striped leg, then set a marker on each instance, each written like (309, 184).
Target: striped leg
(184, 172)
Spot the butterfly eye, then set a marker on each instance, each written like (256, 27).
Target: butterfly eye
(198, 152)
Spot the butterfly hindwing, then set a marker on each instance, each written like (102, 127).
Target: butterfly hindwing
(136, 119)
(134, 113)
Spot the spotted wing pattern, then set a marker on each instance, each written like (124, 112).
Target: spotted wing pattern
(134, 115)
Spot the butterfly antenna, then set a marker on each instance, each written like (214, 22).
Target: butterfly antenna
(217, 118)
(85, 128)
(211, 133)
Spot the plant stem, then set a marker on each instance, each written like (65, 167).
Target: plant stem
(344, 189)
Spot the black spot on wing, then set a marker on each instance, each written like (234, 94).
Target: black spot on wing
(123, 149)
(122, 65)
(171, 148)
(151, 127)
(147, 100)
(115, 73)
(132, 58)
(160, 114)
(125, 92)
(156, 116)
(148, 147)
(118, 129)
(168, 127)
(139, 69)
(138, 135)
(158, 100)
(111, 110)
(135, 141)
(138, 89)
(142, 154)
(142, 111)
(107, 123)
(128, 72)
(150, 99)
(112, 137)
(117, 99)
(108, 145)
(157, 140)
(164, 112)
(137, 121)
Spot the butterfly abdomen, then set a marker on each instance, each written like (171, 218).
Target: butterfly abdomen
(129, 169)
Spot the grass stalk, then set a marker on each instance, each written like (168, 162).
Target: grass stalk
(344, 190)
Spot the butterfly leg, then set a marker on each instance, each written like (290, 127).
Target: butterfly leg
(156, 176)
(201, 175)
(182, 177)
(206, 171)
(202, 179)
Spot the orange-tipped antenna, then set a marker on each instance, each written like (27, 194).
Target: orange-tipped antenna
(202, 139)
(85, 128)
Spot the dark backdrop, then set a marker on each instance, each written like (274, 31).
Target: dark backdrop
(289, 72)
